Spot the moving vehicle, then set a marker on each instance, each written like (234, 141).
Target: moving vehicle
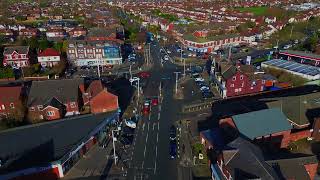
(154, 101)
(203, 88)
(144, 74)
(199, 79)
(166, 58)
(173, 149)
(173, 133)
(146, 108)
(130, 123)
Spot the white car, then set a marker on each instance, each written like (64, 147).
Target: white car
(166, 58)
(203, 88)
(130, 123)
(199, 79)
(169, 52)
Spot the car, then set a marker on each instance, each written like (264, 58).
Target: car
(207, 94)
(128, 131)
(144, 75)
(146, 108)
(168, 51)
(173, 149)
(130, 123)
(166, 58)
(155, 101)
(173, 133)
(195, 75)
(199, 79)
(203, 88)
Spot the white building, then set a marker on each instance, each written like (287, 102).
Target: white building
(49, 57)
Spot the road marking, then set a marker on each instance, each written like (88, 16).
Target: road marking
(142, 166)
(153, 126)
(143, 127)
(159, 107)
(157, 137)
(158, 126)
(159, 116)
(148, 126)
(144, 152)
(147, 138)
(155, 162)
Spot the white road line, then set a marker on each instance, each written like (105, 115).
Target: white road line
(159, 107)
(144, 152)
(153, 126)
(143, 127)
(158, 126)
(147, 138)
(157, 137)
(159, 116)
(142, 166)
(155, 162)
(148, 126)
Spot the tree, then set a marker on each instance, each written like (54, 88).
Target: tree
(6, 72)
(33, 43)
(43, 44)
(58, 46)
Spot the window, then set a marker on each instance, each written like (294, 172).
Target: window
(40, 107)
(232, 85)
(263, 81)
(3, 107)
(241, 77)
(73, 104)
(234, 78)
(242, 84)
(50, 113)
(32, 109)
(240, 89)
(236, 90)
(11, 105)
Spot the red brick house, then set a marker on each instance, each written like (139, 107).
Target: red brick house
(10, 99)
(268, 125)
(234, 80)
(29, 32)
(16, 56)
(77, 32)
(99, 99)
(201, 33)
(54, 99)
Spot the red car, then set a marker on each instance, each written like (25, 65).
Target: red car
(146, 108)
(155, 102)
(144, 74)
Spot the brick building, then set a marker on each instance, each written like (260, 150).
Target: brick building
(16, 56)
(10, 100)
(234, 80)
(268, 125)
(54, 99)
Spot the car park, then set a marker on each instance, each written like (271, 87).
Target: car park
(173, 149)
(173, 133)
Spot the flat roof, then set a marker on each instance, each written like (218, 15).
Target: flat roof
(40, 144)
(300, 54)
(294, 66)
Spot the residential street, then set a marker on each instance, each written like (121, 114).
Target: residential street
(150, 158)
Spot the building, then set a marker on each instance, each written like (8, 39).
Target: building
(55, 99)
(49, 150)
(268, 125)
(300, 57)
(29, 32)
(55, 34)
(303, 70)
(234, 80)
(99, 99)
(10, 100)
(92, 53)
(241, 159)
(16, 56)
(49, 57)
(77, 32)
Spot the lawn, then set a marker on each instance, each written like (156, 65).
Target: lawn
(258, 11)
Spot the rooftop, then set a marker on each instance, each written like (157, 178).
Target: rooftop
(39, 144)
(301, 54)
(191, 37)
(260, 123)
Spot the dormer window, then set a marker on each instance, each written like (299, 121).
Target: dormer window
(241, 77)
(234, 78)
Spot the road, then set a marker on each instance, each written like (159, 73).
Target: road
(150, 157)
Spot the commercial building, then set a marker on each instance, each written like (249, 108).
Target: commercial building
(303, 70)
(300, 57)
(49, 150)
(94, 53)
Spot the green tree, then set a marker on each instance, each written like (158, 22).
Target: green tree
(6, 72)
(43, 44)
(58, 46)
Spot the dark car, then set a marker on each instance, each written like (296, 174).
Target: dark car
(173, 132)
(173, 149)
(207, 94)
(126, 140)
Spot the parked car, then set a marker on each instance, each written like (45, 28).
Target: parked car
(204, 88)
(173, 133)
(199, 79)
(144, 74)
(207, 94)
(130, 123)
(173, 149)
(166, 58)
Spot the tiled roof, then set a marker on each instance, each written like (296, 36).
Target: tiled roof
(10, 94)
(49, 52)
(18, 49)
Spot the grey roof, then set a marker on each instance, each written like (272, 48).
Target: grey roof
(247, 161)
(64, 90)
(18, 49)
(260, 123)
(293, 168)
(39, 144)
(228, 73)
